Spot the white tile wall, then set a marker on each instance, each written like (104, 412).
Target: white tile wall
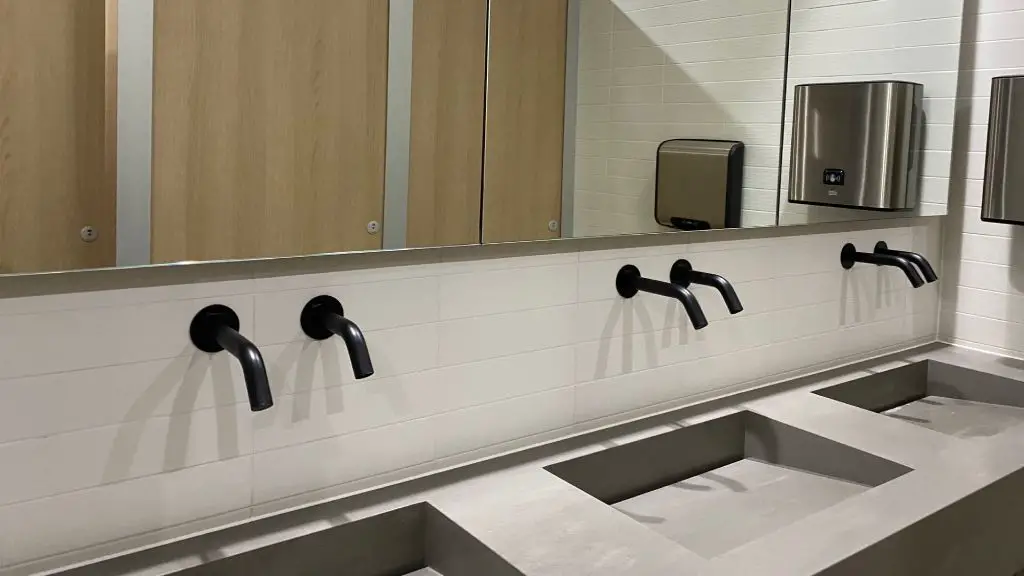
(854, 40)
(983, 295)
(113, 430)
(653, 70)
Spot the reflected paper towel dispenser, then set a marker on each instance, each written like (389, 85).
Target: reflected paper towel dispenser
(857, 145)
(1003, 197)
(699, 185)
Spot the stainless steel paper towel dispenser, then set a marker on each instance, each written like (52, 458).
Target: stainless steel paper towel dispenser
(1003, 197)
(857, 145)
(699, 185)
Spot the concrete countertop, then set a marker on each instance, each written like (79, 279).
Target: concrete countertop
(544, 526)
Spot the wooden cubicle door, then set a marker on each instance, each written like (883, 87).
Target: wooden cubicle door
(525, 120)
(449, 77)
(269, 127)
(52, 137)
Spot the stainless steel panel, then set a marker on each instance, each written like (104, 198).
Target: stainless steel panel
(699, 181)
(1003, 199)
(857, 145)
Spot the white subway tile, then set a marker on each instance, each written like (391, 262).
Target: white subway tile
(494, 380)
(333, 461)
(40, 528)
(624, 355)
(323, 413)
(52, 342)
(372, 305)
(37, 406)
(808, 16)
(643, 313)
(85, 459)
(982, 284)
(475, 339)
(339, 410)
(991, 277)
(646, 388)
(499, 291)
(302, 366)
(597, 278)
(991, 305)
(701, 10)
(369, 404)
(473, 428)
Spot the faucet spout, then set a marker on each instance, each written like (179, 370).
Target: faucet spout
(926, 267)
(253, 368)
(215, 329)
(684, 275)
(850, 256)
(629, 283)
(324, 317)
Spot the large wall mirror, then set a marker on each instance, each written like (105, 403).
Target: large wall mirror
(138, 132)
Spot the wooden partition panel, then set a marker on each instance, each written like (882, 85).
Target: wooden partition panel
(269, 127)
(110, 99)
(52, 136)
(446, 145)
(525, 120)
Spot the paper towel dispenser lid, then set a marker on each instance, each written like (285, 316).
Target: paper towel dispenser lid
(699, 185)
(1003, 196)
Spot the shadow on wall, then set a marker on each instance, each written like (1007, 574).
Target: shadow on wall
(864, 293)
(954, 229)
(956, 223)
(182, 381)
(637, 89)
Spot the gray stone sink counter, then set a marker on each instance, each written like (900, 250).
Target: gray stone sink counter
(544, 526)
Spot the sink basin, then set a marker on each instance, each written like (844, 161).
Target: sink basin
(417, 540)
(950, 399)
(717, 485)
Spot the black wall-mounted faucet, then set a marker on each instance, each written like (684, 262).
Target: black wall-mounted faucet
(215, 329)
(629, 283)
(324, 317)
(850, 256)
(684, 275)
(926, 268)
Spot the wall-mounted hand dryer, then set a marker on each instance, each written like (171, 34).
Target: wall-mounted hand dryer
(857, 145)
(1003, 199)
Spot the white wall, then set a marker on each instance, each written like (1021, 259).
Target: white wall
(115, 432)
(854, 40)
(983, 296)
(654, 70)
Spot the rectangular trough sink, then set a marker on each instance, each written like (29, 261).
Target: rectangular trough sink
(717, 485)
(941, 397)
(417, 540)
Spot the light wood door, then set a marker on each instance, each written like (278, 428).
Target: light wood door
(269, 127)
(525, 120)
(446, 144)
(52, 136)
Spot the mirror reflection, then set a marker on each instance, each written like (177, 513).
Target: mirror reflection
(136, 132)
(913, 49)
(678, 115)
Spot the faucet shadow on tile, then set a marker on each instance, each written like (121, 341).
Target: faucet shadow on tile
(181, 380)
